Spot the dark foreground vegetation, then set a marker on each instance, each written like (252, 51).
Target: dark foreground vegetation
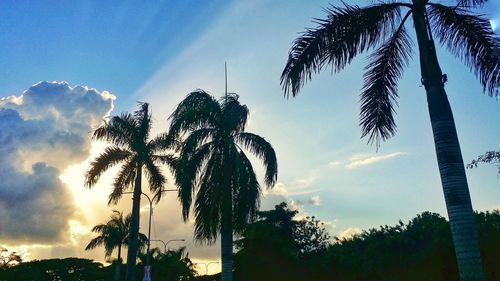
(279, 247)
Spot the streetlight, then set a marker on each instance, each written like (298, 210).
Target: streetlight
(149, 226)
(165, 244)
(206, 265)
(150, 216)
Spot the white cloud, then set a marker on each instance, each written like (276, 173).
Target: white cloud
(349, 233)
(315, 200)
(42, 132)
(362, 160)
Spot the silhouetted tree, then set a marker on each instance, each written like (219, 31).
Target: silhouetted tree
(173, 265)
(8, 258)
(212, 163)
(311, 236)
(491, 157)
(281, 243)
(68, 269)
(129, 136)
(350, 30)
(114, 234)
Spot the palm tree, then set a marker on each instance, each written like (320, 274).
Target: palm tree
(213, 163)
(170, 265)
(114, 234)
(350, 30)
(130, 145)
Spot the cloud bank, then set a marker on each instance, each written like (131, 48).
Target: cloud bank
(43, 131)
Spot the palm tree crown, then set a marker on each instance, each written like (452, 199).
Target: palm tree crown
(114, 234)
(131, 146)
(350, 30)
(129, 136)
(213, 163)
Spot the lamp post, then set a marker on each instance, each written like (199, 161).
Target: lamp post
(165, 244)
(206, 265)
(150, 216)
(149, 225)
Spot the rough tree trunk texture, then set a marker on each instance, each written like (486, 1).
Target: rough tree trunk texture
(227, 235)
(449, 156)
(134, 227)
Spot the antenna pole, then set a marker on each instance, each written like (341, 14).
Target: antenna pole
(225, 74)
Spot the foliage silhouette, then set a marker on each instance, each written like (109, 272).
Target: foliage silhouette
(69, 269)
(213, 164)
(8, 258)
(421, 249)
(114, 234)
(280, 242)
(130, 145)
(492, 157)
(173, 265)
(349, 31)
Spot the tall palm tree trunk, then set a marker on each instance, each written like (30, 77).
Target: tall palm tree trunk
(226, 235)
(449, 156)
(134, 226)
(118, 264)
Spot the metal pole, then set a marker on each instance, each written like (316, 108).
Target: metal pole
(164, 244)
(148, 254)
(149, 229)
(171, 241)
(225, 76)
(206, 272)
(149, 226)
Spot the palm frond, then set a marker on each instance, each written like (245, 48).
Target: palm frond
(94, 243)
(99, 228)
(263, 150)
(163, 142)
(197, 138)
(246, 193)
(169, 160)
(143, 117)
(379, 93)
(208, 202)
(111, 156)
(470, 38)
(120, 130)
(143, 241)
(471, 3)
(347, 32)
(197, 110)
(156, 179)
(123, 181)
(186, 173)
(235, 115)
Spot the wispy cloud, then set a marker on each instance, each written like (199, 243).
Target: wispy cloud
(363, 160)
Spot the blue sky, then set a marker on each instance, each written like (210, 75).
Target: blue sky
(158, 51)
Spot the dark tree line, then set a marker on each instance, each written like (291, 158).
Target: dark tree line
(277, 247)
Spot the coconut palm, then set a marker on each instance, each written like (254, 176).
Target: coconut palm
(113, 235)
(170, 265)
(131, 147)
(348, 31)
(212, 162)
